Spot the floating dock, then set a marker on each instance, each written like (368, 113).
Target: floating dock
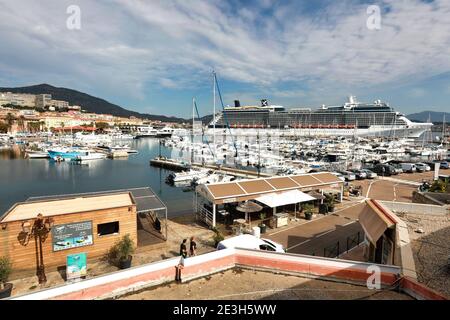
(180, 166)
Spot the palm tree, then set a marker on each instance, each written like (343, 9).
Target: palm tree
(21, 123)
(10, 120)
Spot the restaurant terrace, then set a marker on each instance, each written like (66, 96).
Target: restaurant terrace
(273, 192)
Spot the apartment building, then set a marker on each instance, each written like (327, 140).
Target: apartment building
(18, 99)
(43, 100)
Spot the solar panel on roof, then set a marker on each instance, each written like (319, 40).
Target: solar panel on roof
(148, 204)
(141, 192)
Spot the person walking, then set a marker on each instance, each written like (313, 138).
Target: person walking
(183, 249)
(192, 247)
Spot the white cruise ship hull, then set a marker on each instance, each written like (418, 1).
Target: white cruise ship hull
(381, 131)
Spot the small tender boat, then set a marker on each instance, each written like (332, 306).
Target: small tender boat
(37, 154)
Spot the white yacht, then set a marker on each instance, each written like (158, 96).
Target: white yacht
(145, 131)
(187, 175)
(85, 155)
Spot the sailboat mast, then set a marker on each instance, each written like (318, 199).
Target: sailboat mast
(193, 115)
(193, 126)
(214, 113)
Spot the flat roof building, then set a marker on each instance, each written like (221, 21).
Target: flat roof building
(90, 223)
(269, 191)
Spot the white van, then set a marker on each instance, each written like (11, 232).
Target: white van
(409, 167)
(248, 241)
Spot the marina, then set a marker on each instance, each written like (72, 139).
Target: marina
(225, 150)
(39, 177)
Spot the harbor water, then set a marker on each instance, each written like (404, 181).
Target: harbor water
(22, 178)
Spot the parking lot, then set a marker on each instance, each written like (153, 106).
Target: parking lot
(335, 232)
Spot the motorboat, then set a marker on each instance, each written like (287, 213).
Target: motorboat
(187, 175)
(89, 155)
(63, 154)
(37, 154)
(145, 131)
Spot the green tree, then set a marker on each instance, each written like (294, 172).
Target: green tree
(3, 127)
(21, 123)
(438, 186)
(101, 126)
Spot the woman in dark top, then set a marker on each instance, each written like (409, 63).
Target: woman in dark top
(183, 249)
(193, 247)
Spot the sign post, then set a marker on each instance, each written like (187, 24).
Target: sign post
(76, 266)
(437, 165)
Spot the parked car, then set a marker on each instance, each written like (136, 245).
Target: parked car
(421, 167)
(398, 168)
(409, 167)
(359, 174)
(340, 176)
(444, 165)
(248, 241)
(349, 176)
(369, 173)
(384, 170)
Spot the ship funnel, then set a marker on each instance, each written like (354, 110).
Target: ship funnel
(237, 103)
(352, 99)
(264, 103)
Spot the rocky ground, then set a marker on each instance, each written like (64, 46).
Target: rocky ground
(430, 236)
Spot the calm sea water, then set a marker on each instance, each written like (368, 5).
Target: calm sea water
(22, 178)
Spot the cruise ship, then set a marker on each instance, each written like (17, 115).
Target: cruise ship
(351, 118)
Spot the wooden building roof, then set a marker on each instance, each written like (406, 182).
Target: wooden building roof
(256, 187)
(29, 210)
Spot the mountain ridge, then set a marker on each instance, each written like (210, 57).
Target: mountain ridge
(87, 102)
(434, 116)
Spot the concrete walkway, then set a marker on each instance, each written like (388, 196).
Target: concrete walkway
(314, 237)
(396, 180)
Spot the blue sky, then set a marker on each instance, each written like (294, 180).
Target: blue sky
(154, 56)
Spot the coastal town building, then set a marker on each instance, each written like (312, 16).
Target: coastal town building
(43, 100)
(17, 99)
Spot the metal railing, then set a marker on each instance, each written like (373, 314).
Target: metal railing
(340, 247)
(205, 215)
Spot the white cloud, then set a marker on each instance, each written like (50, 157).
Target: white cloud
(130, 45)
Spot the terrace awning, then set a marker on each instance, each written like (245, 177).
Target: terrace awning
(375, 220)
(284, 198)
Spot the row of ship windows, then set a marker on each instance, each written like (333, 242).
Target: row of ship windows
(313, 119)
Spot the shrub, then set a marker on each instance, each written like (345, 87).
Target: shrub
(438, 186)
(5, 270)
(218, 236)
(330, 200)
(262, 216)
(308, 208)
(121, 249)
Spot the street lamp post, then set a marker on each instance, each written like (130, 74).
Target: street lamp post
(39, 230)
